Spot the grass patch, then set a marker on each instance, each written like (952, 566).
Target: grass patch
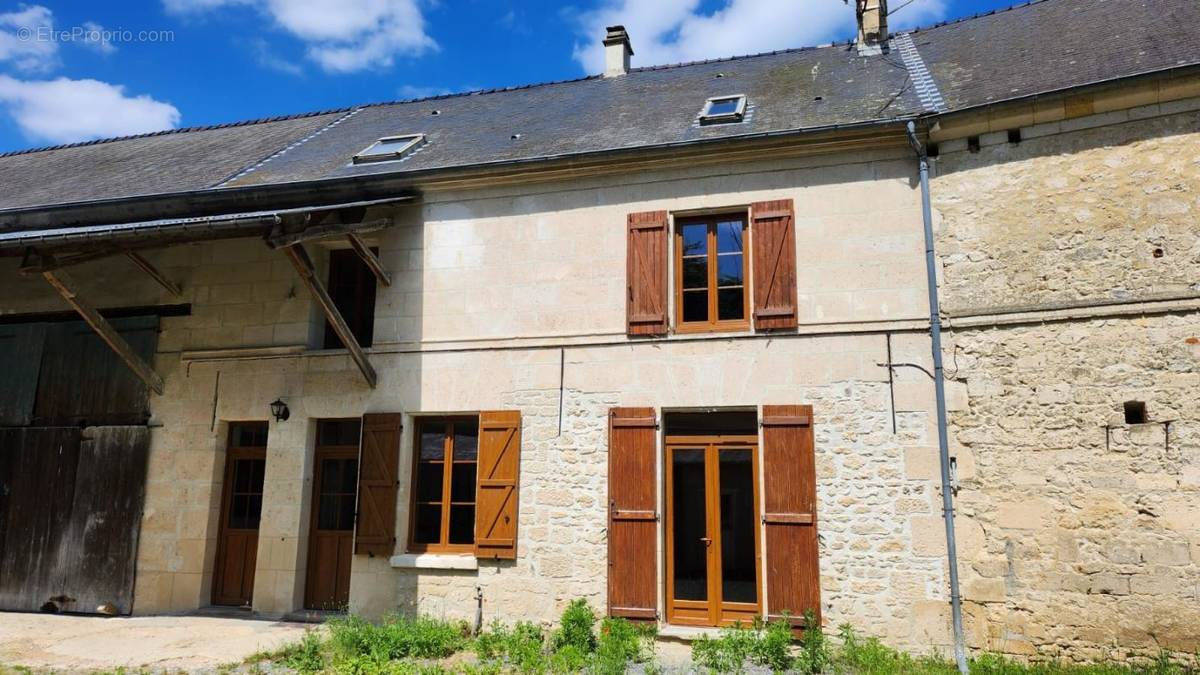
(737, 648)
(575, 647)
(582, 642)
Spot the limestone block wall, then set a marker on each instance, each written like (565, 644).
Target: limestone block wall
(1089, 527)
(1083, 530)
(1102, 213)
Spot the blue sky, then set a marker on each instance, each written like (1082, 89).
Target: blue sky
(73, 70)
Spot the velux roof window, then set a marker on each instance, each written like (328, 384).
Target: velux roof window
(724, 109)
(390, 148)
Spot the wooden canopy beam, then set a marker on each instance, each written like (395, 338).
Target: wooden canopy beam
(372, 261)
(149, 268)
(65, 285)
(304, 267)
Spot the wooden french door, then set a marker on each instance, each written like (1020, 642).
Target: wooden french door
(241, 510)
(331, 529)
(713, 550)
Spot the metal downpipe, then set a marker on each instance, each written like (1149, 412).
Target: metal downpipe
(939, 384)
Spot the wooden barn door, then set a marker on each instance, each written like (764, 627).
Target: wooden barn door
(241, 510)
(70, 514)
(72, 466)
(331, 533)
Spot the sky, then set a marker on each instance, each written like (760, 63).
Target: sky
(78, 70)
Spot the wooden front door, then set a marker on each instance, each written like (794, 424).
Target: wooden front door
(331, 532)
(713, 559)
(241, 510)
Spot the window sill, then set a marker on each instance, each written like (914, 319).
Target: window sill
(435, 561)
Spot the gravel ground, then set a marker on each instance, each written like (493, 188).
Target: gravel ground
(72, 644)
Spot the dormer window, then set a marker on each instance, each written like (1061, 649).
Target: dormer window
(390, 148)
(724, 109)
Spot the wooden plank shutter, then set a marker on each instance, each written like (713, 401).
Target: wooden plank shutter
(378, 466)
(646, 274)
(790, 516)
(632, 519)
(496, 495)
(773, 238)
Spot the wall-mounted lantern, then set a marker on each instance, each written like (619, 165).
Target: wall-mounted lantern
(280, 410)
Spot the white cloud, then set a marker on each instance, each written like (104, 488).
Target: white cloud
(267, 58)
(340, 35)
(66, 111)
(96, 38)
(24, 39)
(409, 91)
(671, 31)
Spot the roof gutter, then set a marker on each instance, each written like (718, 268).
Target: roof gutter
(310, 193)
(195, 228)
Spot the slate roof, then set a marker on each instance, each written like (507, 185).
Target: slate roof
(1043, 46)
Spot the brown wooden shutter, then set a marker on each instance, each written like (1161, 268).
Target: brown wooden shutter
(378, 463)
(496, 496)
(790, 517)
(646, 274)
(773, 237)
(632, 519)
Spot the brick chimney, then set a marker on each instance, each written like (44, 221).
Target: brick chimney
(616, 52)
(872, 26)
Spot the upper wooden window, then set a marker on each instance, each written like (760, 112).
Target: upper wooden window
(710, 272)
(352, 287)
(445, 464)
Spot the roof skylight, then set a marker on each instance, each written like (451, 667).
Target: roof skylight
(724, 109)
(390, 148)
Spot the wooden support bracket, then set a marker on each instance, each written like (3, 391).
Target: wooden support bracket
(65, 285)
(149, 268)
(372, 261)
(304, 267)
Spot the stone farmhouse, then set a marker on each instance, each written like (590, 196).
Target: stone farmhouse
(663, 338)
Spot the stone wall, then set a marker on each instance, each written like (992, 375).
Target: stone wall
(1104, 213)
(1084, 532)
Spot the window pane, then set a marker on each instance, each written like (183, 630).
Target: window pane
(738, 575)
(466, 441)
(729, 270)
(462, 483)
(327, 513)
(731, 304)
(242, 475)
(723, 106)
(337, 432)
(690, 525)
(729, 237)
(331, 476)
(695, 272)
(462, 524)
(345, 512)
(695, 239)
(429, 481)
(695, 306)
(427, 525)
(250, 435)
(349, 476)
(253, 512)
(433, 442)
(238, 507)
(388, 146)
